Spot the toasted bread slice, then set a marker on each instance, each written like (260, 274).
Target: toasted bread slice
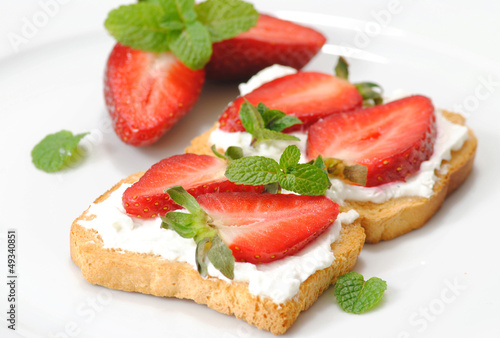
(384, 221)
(152, 274)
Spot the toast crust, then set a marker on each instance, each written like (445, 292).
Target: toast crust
(151, 274)
(396, 217)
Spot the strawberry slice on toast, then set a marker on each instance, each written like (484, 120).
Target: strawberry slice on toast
(147, 93)
(391, 140)
(271, 41)
(261, 228)
(198, 174)
(308, 96)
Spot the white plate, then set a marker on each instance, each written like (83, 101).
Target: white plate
(442, 279)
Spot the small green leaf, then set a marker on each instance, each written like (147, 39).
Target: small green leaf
(139, 26)
(307, 180)
(253, 170)
(342, 69)
(221, 257)
(181, 223)
(250, 118)
(180, 196)
(356, 296)
(55, 150)
(370, 92)
(270, 135)
(226, 18)
(289, 158)
(191, 45)
(254, 119)
(202, 248)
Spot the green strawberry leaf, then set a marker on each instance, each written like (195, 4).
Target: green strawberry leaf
(221, 257)
(342, 68)
(196, 225)
(191, 45)
(202, 248)
(225, 19)
(371, 93)
(183, 198)
(181, 223)
(356, 296)
(55, 150)
(253, 170)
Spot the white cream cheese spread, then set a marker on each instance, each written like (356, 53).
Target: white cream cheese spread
(278, 280)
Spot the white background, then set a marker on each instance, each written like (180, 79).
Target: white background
(447, 50)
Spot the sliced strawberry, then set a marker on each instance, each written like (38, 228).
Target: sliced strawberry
(261, 228)
(271, 41)
(391, 140)
(147, 93)
(308, 96)
(198, 174)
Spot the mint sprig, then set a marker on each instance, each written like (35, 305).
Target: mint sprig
(55, 150)
(369, 91)
(354, 295)
(289, 174)
(180, 26)
(196, 225)
(266, 124)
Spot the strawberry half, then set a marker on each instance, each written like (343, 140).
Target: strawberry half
(271, 41)
(147, 93)
(198, 174)
(308, 96)
(261, 228)
(391, 140)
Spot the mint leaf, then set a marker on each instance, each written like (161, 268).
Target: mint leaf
(356, 296)
(51, 153)
(289, 158)
(221, 257)
(180, 26)
(225, 19)
(191, 45)
(305, 179)
(302, 178)
(138, 26)
(342, 68)
(250, 118)
(253, 170)
(257, 122)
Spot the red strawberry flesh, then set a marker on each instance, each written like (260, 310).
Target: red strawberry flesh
(271, 41)
(198, 174)
(308, 96)
(147, 93)
(391, 140)
(261, 228)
